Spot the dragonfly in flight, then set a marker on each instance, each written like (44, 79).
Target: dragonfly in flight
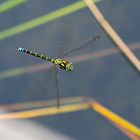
(60, 62)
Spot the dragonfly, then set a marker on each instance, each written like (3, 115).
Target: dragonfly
(60, 63)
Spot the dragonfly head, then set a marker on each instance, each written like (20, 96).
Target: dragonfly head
(69, 67)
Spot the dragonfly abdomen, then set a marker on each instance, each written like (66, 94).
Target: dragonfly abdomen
(34, 54)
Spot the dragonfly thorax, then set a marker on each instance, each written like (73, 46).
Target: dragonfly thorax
(63, 64)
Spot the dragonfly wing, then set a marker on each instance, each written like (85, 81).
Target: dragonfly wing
(85, 44)
(66, 34)
(62, 49)
(39, 85)
(57, 85)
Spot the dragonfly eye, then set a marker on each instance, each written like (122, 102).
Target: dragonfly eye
(69, 67)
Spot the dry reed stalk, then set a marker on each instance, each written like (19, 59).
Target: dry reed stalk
(112, 34)
(115, 118)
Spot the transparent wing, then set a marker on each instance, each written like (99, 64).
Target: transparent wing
(39, 85)
(82, 46)
(66, 39)
(57, 85)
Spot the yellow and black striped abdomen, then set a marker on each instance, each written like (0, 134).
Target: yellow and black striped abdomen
(34, 54)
